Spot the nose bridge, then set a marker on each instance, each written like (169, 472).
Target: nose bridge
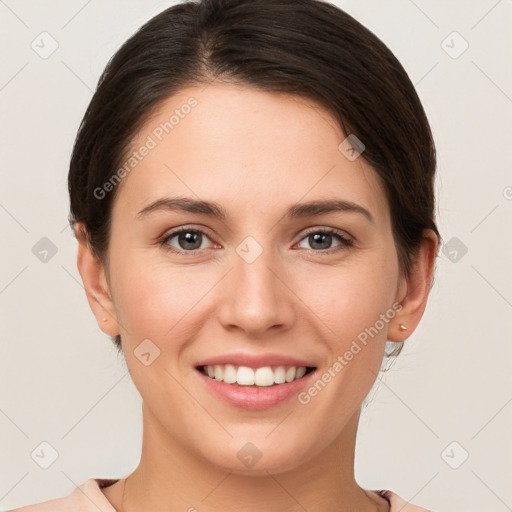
(256, 299)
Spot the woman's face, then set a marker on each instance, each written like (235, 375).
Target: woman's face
(256, 282)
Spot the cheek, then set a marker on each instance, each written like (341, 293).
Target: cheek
(349, 299)
(159, 300)
(348, 306)
(150, 299)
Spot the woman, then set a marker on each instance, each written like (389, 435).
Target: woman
(252, 192)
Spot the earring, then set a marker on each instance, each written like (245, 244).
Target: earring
(104, 319)
(403, 327)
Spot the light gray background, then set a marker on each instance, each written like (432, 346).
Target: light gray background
(61, 381)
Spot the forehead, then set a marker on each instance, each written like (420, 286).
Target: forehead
(246, 148)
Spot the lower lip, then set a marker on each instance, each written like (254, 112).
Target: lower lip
(255, 398)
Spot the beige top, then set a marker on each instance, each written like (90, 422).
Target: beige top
(88, 497)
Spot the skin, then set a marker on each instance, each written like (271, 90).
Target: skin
(255, 153)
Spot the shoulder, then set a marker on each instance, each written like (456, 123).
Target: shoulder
(398, 504)
(87, 497)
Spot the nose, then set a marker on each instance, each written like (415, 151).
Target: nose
(257, 296)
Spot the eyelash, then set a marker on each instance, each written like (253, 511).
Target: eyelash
(345, 242)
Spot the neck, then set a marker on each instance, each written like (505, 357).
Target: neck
(180, 480)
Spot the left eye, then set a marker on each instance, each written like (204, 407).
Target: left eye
(324, 238)
(190, 240)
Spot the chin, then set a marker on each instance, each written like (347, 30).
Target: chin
(257, 458)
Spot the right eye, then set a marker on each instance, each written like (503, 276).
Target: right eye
(189, 240)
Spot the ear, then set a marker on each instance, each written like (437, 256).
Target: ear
(413, 291)
(95, 283)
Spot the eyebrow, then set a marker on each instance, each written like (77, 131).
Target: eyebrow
(212, 209)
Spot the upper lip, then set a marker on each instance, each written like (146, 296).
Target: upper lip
(256, 360)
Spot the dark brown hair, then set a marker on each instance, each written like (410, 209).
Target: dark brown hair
(308, 48)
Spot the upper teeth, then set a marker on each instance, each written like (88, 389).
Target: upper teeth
(246, 376)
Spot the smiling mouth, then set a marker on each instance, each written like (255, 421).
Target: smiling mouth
(266, 376)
